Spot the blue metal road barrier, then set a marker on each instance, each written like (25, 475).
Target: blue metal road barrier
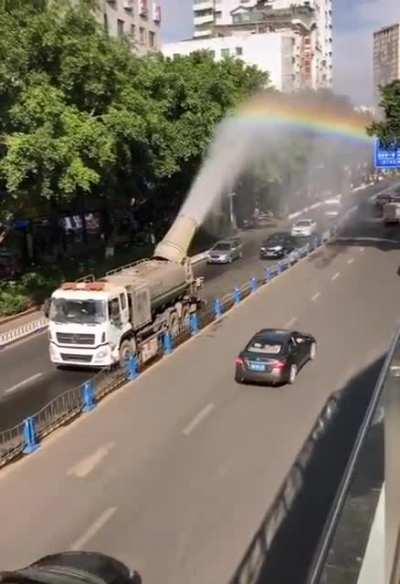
(237, 295)
(30, 437)
(217, 308)
(133, 367)
(168, 344)
(194, 324)
(253, 284)
(89, 398)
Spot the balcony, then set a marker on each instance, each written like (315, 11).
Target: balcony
(202, 33)
(203, 5)
(203, 19)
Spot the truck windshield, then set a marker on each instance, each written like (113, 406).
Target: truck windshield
(78, 311)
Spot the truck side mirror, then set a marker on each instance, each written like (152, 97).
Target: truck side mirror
(46, 307)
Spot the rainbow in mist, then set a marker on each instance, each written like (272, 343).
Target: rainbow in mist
(306, 115)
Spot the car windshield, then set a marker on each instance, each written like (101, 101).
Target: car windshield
(275, 239)
(222, 247)
(265, 346)
(65, 310)
(304, 223)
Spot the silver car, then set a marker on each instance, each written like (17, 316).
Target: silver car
(303, 227)
(225, 252)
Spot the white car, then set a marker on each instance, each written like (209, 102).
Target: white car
(304, 228)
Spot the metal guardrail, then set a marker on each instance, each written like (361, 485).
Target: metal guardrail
(22, 331)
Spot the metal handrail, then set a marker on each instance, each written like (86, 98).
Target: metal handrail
(87, 278)
(329, 530)
(126, 267)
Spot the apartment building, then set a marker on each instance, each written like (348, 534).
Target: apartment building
(272, 53)
(139, 20)
(308, 22)
(386, 56)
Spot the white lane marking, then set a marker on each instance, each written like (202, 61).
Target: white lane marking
(88, 464)
(350, 261)
(316, 296)
(290, 322)
(24, 382)
(335, 276)
(93, 529)
(206, 411)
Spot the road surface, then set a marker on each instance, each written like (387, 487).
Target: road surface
(29, 381)
(174, 472)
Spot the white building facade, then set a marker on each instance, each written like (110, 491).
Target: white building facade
(272, 53)
(309, 23)
(138, 20)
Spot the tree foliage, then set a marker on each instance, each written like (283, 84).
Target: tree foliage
(389, 129)
(81, 115)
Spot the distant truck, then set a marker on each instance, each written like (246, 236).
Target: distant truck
(391, 213)
(102, 323)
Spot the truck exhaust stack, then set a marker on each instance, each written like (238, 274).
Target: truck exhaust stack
(174, 246)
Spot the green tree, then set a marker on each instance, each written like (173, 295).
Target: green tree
(389, 129)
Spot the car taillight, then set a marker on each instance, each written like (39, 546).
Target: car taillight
(278, 366)
(239, 361)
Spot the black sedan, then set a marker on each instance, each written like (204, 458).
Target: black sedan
(278, 245)
(274, 356)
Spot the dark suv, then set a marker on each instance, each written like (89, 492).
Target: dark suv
(277, 246)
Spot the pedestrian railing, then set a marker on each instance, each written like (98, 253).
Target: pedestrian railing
(25, 437)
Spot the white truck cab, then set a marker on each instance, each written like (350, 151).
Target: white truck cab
(86, 324)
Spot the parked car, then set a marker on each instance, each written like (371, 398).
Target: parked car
(274, 356)
(304, 227)
(225, 252)
(278, 245)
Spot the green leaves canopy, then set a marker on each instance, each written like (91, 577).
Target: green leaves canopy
(80, 115)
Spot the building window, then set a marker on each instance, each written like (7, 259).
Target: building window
(152, 39)
(133, 30)
(120, 27)
(239, 51)
(142, 35)
(105, 22)
(224, 53)
(212, 53)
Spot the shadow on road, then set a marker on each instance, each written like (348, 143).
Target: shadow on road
(287, 559)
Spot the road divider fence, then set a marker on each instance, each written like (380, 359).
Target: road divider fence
(22, 331)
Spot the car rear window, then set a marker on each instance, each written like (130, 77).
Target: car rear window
(265, 347)
(222, 247)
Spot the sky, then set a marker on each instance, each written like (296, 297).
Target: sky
(354, 23)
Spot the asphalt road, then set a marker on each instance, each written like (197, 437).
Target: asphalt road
(29, 381)
(173, 473)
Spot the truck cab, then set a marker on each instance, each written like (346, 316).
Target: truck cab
(86, 324)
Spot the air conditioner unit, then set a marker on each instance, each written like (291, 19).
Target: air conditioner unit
(128, 4)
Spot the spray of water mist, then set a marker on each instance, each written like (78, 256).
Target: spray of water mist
(331, 138)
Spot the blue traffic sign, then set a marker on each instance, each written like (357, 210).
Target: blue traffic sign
(387, 158)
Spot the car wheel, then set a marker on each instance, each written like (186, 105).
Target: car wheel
(313, 351)
(292, 374)
(239, 377)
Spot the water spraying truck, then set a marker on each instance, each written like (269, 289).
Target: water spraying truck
(100, 323)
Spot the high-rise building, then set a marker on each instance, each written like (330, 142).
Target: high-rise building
(308, 22)
(138, 20)
(386, 56)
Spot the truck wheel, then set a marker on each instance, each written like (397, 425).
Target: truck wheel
(126, 351)
(173, 324)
